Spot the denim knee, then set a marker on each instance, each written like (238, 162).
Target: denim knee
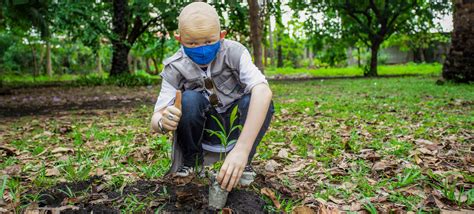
(194, 105)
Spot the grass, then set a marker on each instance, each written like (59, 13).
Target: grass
(329, 123)
(406, 69)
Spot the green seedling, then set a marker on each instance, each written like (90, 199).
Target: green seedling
(223, 135)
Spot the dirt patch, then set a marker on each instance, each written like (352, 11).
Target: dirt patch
(51, 100)
(149, 196)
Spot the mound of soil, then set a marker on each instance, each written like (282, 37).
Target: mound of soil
(90, 196)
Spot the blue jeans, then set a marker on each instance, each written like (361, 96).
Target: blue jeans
(196, 117)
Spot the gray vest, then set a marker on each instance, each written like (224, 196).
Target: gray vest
(182, 73)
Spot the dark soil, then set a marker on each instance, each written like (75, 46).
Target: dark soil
(156, 195)
(53, 100)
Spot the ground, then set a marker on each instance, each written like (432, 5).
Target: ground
(381, 144)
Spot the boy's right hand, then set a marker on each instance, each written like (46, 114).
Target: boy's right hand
(171, 117)
(172, 114)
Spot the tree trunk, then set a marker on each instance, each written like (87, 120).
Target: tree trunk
(35, 63)
(270, 40)
(131, 63)
(459, 64)
(256, 32)
(422, 55)
(147, 66)
(373, 60)
(265, 56)
(99, 69)
(359, 64)
(120, 49)
(311, 58)
(279, 53)
(157, 71)
(49, 66)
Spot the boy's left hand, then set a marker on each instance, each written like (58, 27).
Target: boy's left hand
(232, 169)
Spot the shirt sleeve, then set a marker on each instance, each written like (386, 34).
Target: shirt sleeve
(250, 75)
(166, 97)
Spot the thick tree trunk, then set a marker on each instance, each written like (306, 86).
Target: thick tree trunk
(256, 32)
(459, 64)
(372, 72)
(120, 49)
(49, 66)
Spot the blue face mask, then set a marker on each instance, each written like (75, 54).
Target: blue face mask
(203, 55)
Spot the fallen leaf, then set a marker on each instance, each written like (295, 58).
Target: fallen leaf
(268, 192)
(323, 209)
(295, 167)
(383, 165)
(283, 153)
(272, 165)
(336, 200)
(463, 211)
(62, 150)
(303, 210)
(12, 170)
(8, 151)
(52, 172)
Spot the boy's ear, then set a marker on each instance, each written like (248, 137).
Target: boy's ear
(177, 36)
(223, 33)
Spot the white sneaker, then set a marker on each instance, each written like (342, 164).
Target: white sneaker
(184, 171)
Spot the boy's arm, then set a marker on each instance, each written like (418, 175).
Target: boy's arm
(167, 94)
(236, 160)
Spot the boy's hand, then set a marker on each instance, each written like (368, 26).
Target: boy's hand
(172, 114)
(232, 169)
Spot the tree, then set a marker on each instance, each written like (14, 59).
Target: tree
(459, 64)
(256, 32)
(373, 21)
(32, 15)
(122, 22)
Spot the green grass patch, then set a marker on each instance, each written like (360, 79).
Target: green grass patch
(406, 69)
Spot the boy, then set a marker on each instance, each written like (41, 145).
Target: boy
(215, 75)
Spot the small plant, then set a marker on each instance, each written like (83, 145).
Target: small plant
(74, 173)
(2, 187)
(370, 208)
(408, 177)
(133, 204)
(223, 135)
(68, 192)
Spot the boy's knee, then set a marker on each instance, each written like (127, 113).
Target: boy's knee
(192, 98)
(193, 103)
